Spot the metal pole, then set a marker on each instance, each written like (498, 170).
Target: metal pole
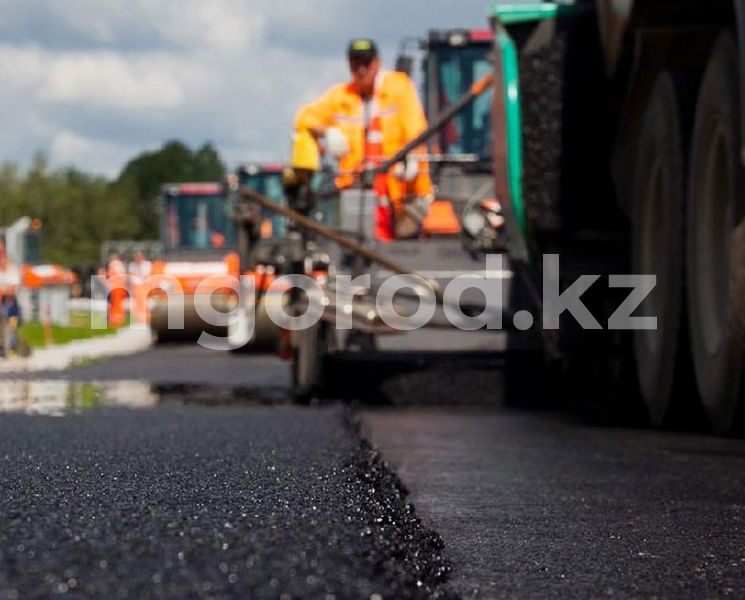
(478, 88)
(336, 237)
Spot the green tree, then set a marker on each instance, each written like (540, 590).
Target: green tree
(10, 197)
(79, 211)
(174, 162)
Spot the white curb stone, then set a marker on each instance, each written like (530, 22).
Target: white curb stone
(56, 358)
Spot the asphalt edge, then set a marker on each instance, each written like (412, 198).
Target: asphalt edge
(402, 543)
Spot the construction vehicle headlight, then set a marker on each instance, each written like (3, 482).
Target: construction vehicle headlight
(231, 300)
(458, 38)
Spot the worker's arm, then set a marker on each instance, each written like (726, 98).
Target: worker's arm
(414, 122)
(315, 121)
(412, 113)
(318, 115)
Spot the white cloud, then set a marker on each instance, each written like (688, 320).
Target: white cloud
(217, 24)
(22, 67)
(93, 82)
(67, 148)
(96, 79)
(223, 25)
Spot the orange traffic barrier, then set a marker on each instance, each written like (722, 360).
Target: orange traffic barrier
(441, 219)
(117, 310)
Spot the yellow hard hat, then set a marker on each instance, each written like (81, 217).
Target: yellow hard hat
(305, 154)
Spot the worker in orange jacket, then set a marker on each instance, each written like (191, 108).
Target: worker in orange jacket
(117, 279)
(363, 122)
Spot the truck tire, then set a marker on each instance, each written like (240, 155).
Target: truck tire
(525, 370)
(716, 239)
(160, 333)
(266, 333)
(311, 349)
(661, 355)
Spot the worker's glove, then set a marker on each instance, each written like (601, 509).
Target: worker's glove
(337, 144)
(296, 185)
(407, 170)
(410, 223)
(418, 207)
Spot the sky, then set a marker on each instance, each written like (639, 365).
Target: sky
(94, 82)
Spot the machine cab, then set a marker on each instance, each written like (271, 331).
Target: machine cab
(196, 219)
(266, 179)
(461, 152)
(454, 61)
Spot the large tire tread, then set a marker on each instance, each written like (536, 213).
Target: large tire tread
(715, 145)
(664, 372)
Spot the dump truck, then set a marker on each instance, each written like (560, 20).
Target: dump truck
(618, 146)
(199, 262)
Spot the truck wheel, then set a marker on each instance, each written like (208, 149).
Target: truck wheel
(528, 379)
(238, 324)
(716, 240)
(266, 333)
(159, 333)
(311, 347)
(661, 355)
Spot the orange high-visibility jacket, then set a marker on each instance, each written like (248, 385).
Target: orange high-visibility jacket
(401, 118)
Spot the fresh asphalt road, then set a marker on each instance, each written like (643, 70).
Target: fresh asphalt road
(236, 499)
(539, 506)
(208, 502)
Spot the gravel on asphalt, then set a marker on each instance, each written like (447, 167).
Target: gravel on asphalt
(206, 502)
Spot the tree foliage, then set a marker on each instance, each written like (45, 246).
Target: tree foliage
(174, 162)
(79, 211)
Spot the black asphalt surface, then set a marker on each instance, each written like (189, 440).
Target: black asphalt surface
(196, 502)
(539, 506)
(210, 490)
(184, 364)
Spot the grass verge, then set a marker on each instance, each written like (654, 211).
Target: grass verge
(33, 334)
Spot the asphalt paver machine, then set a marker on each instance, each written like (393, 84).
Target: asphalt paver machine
(354, 309)
(269, 246)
